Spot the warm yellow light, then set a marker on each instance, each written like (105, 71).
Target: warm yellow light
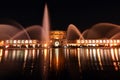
(6, 46)
(118, 41)
(26, 41)
(57, 43)
(97, 41)
(111, 41)
(86, 41)
(89, 41)
(93, 41)
(1, 43)
(45, 54)
(107, 41)
(22, 41)
(82, 41)
(34, 41)
(7, 41)
(30, 41)
(100, 41)
(104, 41)
(14, 41)
(18, 41)
(115, 41)
(77, 41)
(45, 45)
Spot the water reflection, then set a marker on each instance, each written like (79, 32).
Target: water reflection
(1, 52)
(57, 63)
(98, 58)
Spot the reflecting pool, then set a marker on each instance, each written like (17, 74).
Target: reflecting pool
(96, 63)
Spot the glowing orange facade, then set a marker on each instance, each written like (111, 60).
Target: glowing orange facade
(57, 34)
(58, 38)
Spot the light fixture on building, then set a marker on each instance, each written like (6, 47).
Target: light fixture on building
(57, 43)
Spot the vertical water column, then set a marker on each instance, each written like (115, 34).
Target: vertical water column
(45, 25)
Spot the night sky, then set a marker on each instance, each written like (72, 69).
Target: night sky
(81, 13)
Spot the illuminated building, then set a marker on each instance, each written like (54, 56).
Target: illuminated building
(58, 39)
(57, 35)
(94, 43)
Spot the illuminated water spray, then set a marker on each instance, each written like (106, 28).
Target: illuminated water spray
(105, 34)
(46, 25)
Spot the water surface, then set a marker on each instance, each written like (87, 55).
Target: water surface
(96, 63)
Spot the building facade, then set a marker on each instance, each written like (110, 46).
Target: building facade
(58, 38)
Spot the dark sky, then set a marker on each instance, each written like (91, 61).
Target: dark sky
(82, 13)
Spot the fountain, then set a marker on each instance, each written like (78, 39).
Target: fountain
(46, 25)
(22, 35)
(103, 30)
(101, 33)
(36, 30)
(97, 31)
(73, 33)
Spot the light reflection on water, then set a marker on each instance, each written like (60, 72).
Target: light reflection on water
(57, 63)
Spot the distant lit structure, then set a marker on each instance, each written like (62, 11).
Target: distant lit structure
(94, 43)
(58, 39)
(57, 35)
(21, 43)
